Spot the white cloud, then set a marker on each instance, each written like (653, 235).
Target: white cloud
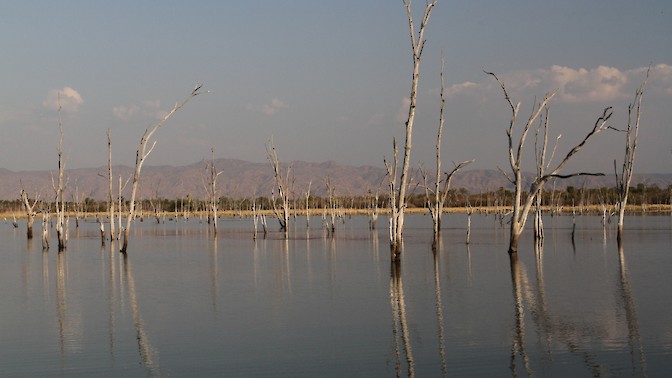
(402, 113)
(275, 105)
(152, 109)
(69, 100)
(125, 113)
(149, 109)
(456, 89)
(661, 78)
(600, 84)
(268, 109)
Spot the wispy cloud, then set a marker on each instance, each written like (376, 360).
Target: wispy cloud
(69, 100)
(125, 113)
(585, 85)
(402, 112)
(599, 84)
(459, 88)
(269, 109)
(275, 105)
(149, 109)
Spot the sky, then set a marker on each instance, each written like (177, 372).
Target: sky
(327, 80)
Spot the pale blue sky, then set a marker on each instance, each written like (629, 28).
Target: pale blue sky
(326, 79)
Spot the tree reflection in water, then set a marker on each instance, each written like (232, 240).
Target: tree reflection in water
(546, 328)
(214, 275)
(61, 300)
(573, 337)
(439, 307)
(111, 294)
(402, 339)
(634, 338)
(520, 285)
(148, 355)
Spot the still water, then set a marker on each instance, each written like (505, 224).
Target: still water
(185, 304)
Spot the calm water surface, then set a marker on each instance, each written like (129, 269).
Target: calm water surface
(184, 304)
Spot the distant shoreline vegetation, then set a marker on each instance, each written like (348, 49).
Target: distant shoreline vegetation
(644, 199)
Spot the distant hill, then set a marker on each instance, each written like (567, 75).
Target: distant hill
(243, 179)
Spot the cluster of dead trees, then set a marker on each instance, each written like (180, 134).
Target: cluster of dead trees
(546, 168)
(59, 185)
(400, 193)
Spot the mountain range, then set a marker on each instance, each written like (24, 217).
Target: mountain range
(244, 179)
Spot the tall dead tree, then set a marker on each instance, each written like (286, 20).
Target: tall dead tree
(30, 212)
(436, 197)
(141, 155)
(331, 195)
(541, 166)
(307, 196)
(59, 187)
(110, 200)
(631, 133)
(398, 201)
(522, 206)
(211, 189)
(282, 186)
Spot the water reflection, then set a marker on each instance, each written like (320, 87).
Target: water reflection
(520, 286)
(402, 339)
(557, 334)
(214, 266)
(61, 299)
(638, 359)
(148, 355)
(563, 315)
(547, 328)
(111, 294)
(439, 311)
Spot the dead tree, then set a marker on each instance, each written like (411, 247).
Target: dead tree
(436, 197)
(59, 188)
(141, 155)
(45, 230)
(110, 200)
(30, 212)
(373, 210)
(521, 207)
(541, 166)
(331, 194)
(307, 195)
(282, 186)
(398, 201)
(631, 132)
(211, 189)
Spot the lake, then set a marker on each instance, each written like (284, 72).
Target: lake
(184, 304)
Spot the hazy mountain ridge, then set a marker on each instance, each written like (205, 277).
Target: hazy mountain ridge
(244, 179)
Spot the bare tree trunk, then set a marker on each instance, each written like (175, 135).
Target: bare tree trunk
(469, 212)
(332, 204)
(211, 189)
(281, 184)
(30, 212)
(374, 212)
(436, 202)
(631, 133)
(310, 183)
(399, 203)
(522, 208)
(255, 217)
(45, 230)
(59, 187)
(110, 201)
(141, 155)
